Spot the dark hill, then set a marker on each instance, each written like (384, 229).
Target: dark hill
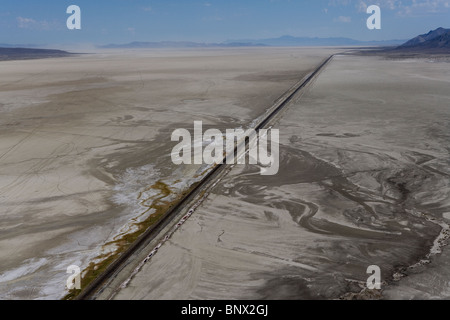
(434, 41)
(26, 53)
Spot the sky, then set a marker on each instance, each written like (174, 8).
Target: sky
(43, 22)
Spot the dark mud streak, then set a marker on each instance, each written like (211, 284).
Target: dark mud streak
(373, 230)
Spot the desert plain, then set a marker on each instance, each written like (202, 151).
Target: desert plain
(85, 158)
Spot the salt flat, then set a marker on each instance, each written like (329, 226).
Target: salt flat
(85, 140)
(363, 181)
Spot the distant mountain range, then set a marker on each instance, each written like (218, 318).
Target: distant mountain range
(174, 44)
(284, 41)
(290, 41)
(437, 40)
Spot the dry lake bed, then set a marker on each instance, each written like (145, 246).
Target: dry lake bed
(364, 179)
(85, 146)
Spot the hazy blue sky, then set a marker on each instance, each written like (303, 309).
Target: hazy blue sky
(122, 21)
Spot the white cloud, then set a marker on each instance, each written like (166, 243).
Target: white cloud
(416, 7)
(28, 23)
(25, 23)
(402, 7)
(343, 19)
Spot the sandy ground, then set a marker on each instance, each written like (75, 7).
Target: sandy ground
(83, 139)
(364, 180)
